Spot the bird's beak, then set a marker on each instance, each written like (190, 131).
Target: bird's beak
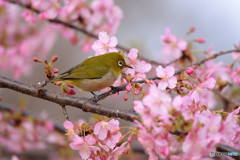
(128, 66)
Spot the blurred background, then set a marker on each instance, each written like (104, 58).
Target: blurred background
(218, 21)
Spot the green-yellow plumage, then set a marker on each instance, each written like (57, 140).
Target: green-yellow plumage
(95, 73)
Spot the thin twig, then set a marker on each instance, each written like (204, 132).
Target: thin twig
(65, 112)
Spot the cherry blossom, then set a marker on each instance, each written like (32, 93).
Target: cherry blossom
(235, 75)
(84, 145)
(70, 127)
(105, 44)
(102, 128)
(167, 77)
(208, 83)
(172, 45)
(117, 152)
(94, 16)
(139, 67)
(16, 55)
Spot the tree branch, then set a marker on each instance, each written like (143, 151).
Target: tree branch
(82, 103)
(77, 28)
(123, 87)
(59, 128)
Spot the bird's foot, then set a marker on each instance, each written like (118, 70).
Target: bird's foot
(96, 97)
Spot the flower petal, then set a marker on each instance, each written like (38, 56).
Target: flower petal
(160, 71)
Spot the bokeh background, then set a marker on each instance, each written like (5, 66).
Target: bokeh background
(218, 21)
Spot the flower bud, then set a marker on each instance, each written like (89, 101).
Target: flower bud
(96, 140)
(70, 85)
(127, 149)
(128, 87)
(126, 97)
(55, 70)
(35, 59)
(58, 83)
(74, 40)
(200, 40)
(71, 92)
(191, 30)
(136, 91)
(189, 70)
(130, 139)
(54, 59)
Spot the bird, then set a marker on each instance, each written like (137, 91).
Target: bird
(95, 73)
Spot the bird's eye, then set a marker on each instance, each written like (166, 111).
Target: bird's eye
(120, 63)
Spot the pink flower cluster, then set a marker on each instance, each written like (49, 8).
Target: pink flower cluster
(19, 133)
(140, 68)
(107, 44)
(172, 45)
(235, 75)
(96, 142)
(94, 16)
(167, 77)
(21, 41)
(200, 128)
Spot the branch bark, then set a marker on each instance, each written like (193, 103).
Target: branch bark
(123, 87)
(59, 128)
(82, 103)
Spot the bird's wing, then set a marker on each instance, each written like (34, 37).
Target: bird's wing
(85, 71)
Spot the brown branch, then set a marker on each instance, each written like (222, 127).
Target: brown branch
(82, 103)
(226, 148)
(123, 87)
(59, 128)
(77, 28)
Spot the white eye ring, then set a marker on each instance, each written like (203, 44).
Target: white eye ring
(120, 63)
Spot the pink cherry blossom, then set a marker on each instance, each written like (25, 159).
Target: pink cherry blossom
(235, 75)
(139, 67)
(148, 141)
(29, 16)
(14, 158)
(172, 45)
(112, 141)
(158, 104)
(105, 44)
(15, 56)
(199, 89)
(167, 77)
(70, 127)
(117, 152)
(236, 56)
(84, 145)
(102, 128)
